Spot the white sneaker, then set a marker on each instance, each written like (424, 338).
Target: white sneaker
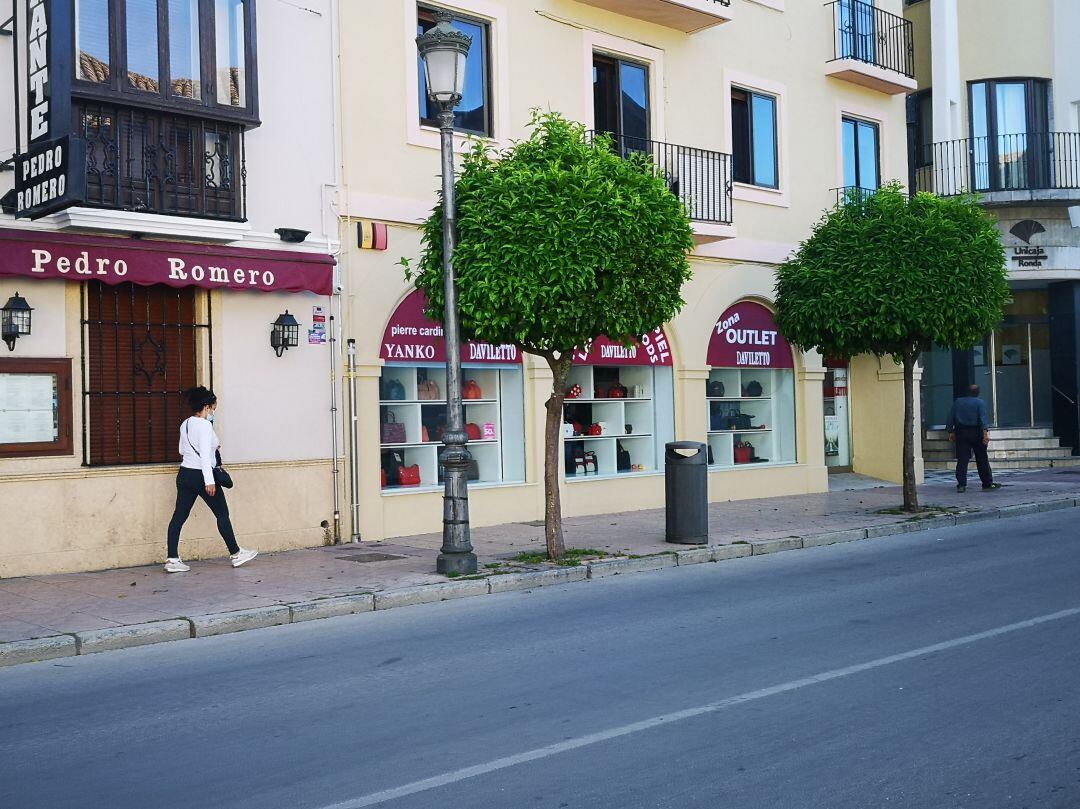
(242, 557)
(175, 566)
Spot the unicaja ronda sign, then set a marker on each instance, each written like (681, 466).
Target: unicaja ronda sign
(50, 172)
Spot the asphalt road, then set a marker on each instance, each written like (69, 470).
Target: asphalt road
(935, 670)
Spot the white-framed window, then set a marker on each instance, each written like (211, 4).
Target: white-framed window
(751, 416)
(474, 115)
(414, 397)
(750, 392)
(757, 138)
(620, 409)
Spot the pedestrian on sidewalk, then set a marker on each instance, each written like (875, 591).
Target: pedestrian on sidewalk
(199, 447)
(968, 426)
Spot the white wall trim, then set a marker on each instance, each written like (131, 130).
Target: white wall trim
(593, 41)
(781, 196)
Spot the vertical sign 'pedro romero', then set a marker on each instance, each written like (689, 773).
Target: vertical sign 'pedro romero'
(50, 173)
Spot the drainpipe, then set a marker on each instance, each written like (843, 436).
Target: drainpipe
(334, 422)
(354, 461)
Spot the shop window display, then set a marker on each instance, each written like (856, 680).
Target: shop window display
(619, 410)
(750, 391)
(412, 405)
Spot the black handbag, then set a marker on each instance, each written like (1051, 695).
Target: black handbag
(753, 388)
(622, 458)
(392, 462)
(714, 389)
(392, 390)
(221, 477)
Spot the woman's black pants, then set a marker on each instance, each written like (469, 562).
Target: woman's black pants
(189, 488)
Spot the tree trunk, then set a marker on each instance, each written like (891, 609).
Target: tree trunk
(911, 496)
(553, 533)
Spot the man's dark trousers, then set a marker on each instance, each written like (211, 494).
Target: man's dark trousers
(969, 440)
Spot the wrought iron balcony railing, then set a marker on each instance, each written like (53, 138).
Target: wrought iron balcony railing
(872, 35)
(152, 162)
(853, 194)
(700, 178)
(1044, 161)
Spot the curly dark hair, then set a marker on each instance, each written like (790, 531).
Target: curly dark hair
(199, 398)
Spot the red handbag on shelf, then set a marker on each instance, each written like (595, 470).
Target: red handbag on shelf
(409, 475)
(471, 390)
(591, 465)
(744, 452)
(599, 394)
(383, 472)
(473, 431)
(428, 389)
(617, 391)
(578, 429)
(573, 392)
(595, 429)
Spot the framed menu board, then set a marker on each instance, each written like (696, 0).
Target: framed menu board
(35, 407)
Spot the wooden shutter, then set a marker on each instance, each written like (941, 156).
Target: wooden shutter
(142, 353)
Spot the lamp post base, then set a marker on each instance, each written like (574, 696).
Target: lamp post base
(461, 563)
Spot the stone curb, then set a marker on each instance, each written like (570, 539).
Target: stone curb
(30, 651)
(203, 626)
(613, 567)
(508, 582)
(124, 637)
(331, 607)
(100, 640)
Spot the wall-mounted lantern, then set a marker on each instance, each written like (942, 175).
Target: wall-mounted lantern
(285, 333)
(15, 320)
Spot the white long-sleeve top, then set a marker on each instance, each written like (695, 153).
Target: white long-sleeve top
(198, 446)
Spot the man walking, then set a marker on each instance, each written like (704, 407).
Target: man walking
(968, 427)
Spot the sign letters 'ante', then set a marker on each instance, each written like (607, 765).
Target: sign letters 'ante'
(49, 173)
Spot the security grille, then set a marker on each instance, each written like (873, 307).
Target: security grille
(142, 347)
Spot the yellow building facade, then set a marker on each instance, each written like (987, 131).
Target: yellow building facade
(758, 111)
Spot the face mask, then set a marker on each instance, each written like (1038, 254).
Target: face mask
(210, 418)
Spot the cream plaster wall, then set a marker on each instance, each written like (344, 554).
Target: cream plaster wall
(877, 419)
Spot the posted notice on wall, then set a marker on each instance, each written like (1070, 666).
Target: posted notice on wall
(317, 333)
(27, 408)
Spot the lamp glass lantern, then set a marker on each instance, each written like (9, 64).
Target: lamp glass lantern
(15, 320)
(444, 50)
(285, 333)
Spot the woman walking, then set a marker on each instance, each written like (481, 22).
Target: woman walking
(199, 448)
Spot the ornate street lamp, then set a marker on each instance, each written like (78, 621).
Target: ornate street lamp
(444, 51)
(284, 334)
(15, 320)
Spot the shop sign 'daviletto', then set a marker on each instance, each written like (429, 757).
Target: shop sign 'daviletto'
(746, 336)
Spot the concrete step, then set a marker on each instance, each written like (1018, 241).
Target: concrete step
(943, 445)
(1025, 463)
(1001, 433)
(997, 454)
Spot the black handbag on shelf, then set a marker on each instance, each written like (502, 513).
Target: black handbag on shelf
(714, 389)
(622, 458)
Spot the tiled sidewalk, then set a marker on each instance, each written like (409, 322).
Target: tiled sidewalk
(74, 602)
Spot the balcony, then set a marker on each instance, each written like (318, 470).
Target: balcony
(871, 48)
(852, 194)
(1003, 169)
(700, 178)
(689, 16)
(158, 163)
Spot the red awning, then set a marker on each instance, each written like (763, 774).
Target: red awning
(746, 336)
(652, 349)
(116, 260)
(410, 337)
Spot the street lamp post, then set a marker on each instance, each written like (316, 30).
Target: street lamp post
(444, 51)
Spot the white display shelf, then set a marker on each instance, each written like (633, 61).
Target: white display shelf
(497, 460)
(775, 409)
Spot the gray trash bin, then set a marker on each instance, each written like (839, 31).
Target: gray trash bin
(686, 485)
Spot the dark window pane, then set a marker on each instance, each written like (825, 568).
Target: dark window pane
(92, 40)
(184, 61)
(231, 56)
(142, 45)
(634, 99)
(605, 98)
(740, 137)
(473, 114)
(764, 145)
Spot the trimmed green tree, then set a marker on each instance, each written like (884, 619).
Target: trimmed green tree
(560, 240)
(890, 275)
